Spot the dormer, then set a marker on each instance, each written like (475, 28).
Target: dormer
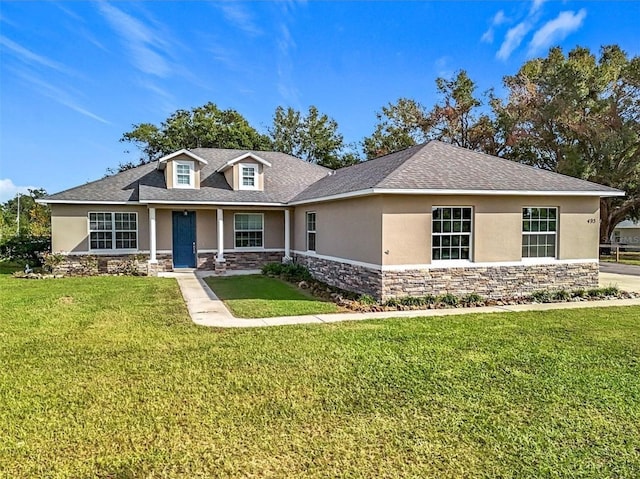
(182, 169)
(245, 172)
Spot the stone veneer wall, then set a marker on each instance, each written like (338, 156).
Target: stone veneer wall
(91, 265)
(251, 259)
(343, 275)
(490, 282)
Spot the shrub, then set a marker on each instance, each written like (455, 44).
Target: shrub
(472, 298)
(595, 293)
(449, 299)
(561, 295)
(412, 301)
(366, 299)
(392, 302)
(610, 291)
(579, 293)
(542, 296)
(25, 248)
(272, 269)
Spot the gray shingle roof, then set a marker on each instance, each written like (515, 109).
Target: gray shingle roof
(440, 166)
(430, 166)
(286, 178)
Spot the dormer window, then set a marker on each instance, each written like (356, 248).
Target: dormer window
(183, 174)
(248, 177)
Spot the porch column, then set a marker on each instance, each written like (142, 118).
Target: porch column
(220, 217)
(152, 235)
(287, 236)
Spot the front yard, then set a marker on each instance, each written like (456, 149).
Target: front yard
(108, 377)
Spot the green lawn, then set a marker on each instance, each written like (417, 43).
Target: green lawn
(107, 377)
(257, 296)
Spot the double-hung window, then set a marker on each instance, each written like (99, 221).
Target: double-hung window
(183, 176)
(109, 231)
(539, 232)
(249, 230)
(311, 231)
(451, 233)
(248, 177)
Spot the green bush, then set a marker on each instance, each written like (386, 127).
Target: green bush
(610, 291)
(366, 299)
(561, 295)
(472, 298)
(292, 272)
(25, 248)
(579, 293)
(392, 302)
(595, 293)
(449, 299)
(542, 296)
(273, 269)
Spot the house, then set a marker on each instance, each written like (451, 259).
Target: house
(627, 233)
(431, 219)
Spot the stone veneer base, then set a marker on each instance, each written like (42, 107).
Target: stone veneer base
(91, 265)
(493, 282)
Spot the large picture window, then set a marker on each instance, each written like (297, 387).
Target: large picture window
(451, 233)
(249, 230)
(311, 231)
(109, 231)
(539, 227)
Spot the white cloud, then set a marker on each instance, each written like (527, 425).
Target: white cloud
(513, 39)
(498, 19)
(27, 56)
(556, 30)
(240, 17)
(141, 41)
(61, 96)
(8, 190)
(535, 6)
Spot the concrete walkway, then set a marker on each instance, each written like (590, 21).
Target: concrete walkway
(207, 310)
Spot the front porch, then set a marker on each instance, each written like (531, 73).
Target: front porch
(217, 238)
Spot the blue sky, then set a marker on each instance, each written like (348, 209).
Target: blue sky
(75, 75)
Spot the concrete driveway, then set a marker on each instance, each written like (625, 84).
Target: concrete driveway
(624, 276)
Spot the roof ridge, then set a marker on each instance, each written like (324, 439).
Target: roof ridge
(514, 162)
(396, 171)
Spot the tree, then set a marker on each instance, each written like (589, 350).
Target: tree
(34, 219)
(313, 137)
(579, 116)
(205, 126)
(454, 120)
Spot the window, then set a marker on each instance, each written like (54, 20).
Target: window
(539, 226)
(110, 231)
(311, 231)
(248, 177)
(183, 177)
(451, 233)
(248, 230)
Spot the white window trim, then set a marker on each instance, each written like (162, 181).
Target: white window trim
(453, 262)
(555, 233)
(247, 248)
(113, 233)
(255, 169)
(315, 231)
(191, 174)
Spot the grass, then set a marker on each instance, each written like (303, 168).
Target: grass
(107, 377)
(257, 296)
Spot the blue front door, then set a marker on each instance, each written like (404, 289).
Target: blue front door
(184, 239)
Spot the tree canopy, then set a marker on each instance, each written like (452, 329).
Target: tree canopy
(205, 126)
(313, 137)
(578, 115)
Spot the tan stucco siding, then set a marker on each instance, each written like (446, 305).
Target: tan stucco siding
(273, 228)
(164, 230)
(497, 226)
(206, 230)
(579, 228)
(350, 229)
(70, 225)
